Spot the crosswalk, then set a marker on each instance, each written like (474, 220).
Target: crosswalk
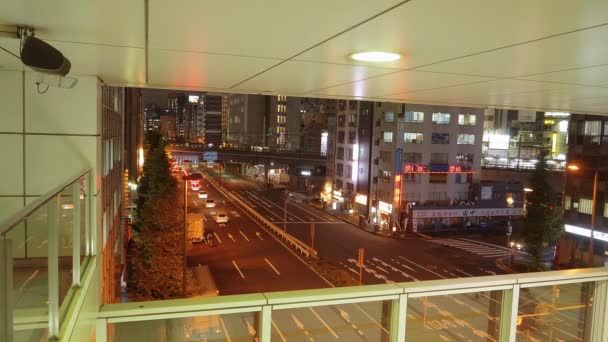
(483, 250)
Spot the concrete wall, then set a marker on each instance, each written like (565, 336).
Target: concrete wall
(44, 138)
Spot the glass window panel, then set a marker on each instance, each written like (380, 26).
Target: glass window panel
(467, 119)
(441, 118)
(346, 322)
(228, 327)
(554, 313)
(414, 117)
(413, 138)
(458, 317)
(388, 136)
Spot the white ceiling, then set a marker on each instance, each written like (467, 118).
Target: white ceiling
(533, 54)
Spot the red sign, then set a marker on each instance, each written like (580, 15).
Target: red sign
(455, 169)
(415, 168)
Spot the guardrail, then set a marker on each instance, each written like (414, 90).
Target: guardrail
(496, 308)
(293, 241)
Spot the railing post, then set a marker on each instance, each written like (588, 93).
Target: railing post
(598, 330)
(90, 235)
(265, 325)
(101, 330)
(508, 314)
(53, 264)
(76, 220)
(398, 319)
(6, 290)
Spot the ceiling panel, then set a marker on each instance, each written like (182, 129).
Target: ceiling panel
(597, 75)
(400, 82)
(265, 28)
(6, 60)
(580, 49)
(435, 30)
(192, 69)
(112, 22)
(304, 77)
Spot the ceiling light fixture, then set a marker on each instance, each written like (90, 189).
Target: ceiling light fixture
(375, 56)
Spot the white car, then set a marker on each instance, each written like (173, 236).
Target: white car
(210, 203)
(202, 194)
(221, 218)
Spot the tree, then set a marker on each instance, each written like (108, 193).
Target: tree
(156, 253)
(541, 225)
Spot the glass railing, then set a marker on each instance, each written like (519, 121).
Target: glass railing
(549, 306)
(43, 250)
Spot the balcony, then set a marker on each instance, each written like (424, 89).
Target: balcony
(45, 289)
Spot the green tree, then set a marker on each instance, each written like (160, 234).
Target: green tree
(541, 225)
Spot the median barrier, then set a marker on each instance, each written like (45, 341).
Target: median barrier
(293, 241)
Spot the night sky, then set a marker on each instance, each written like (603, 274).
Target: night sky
(158, 96)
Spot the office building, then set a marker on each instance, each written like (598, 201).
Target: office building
(168, 126)
(152, 114)
(587, 155)
(212, 118)
(246, 120)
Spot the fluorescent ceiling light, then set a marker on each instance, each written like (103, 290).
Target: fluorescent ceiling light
(375, 56)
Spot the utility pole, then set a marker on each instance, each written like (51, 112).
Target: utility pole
(185, 232)
(361, 256)
(312, 236)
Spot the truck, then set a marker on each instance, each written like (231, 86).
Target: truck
(196, 228)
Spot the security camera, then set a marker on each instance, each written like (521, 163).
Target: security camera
(51, 64)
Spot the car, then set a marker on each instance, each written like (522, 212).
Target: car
(210, 203)
(221, 218)
(202, 194)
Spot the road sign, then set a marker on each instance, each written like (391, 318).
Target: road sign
(210, 156)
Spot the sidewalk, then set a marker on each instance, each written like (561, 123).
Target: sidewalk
(352, 220)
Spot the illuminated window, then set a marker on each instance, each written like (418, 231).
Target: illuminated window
(441, 118)
(388, 137)
(413, 138)
(389, 116)
(414, 117)
(467, 119)
(585, 205)
(386, 176)
(466, 139)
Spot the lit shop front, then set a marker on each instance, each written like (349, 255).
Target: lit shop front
(433, 218)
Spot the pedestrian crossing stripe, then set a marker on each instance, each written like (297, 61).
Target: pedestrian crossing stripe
(481, 250)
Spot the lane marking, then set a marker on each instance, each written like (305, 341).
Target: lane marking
(238, 269)
(279, 331)
(424, 268)
(217, 237)
(244, 235)
(204, 218)
(271, 265)
(259, 235)
(324, 323)
(231, 237)
(196, 205)
(24, 242)
(225, 330)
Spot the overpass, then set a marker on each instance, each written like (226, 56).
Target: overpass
(291, 159)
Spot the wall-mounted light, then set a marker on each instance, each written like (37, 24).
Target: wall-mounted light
(375, 56)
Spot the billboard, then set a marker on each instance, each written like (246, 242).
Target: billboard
(193, 98)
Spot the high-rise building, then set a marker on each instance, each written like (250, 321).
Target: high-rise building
(176, 103)
(152, 117)
(246, 120)
(167, 126)
(212, 118)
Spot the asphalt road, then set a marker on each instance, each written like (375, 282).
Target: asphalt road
(244, 257)
(463, 317)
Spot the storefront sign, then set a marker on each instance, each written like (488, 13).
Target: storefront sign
(435, 168)
(385, 207)
(469, 212)
(361, 199)
(603, 236)
(415, 168)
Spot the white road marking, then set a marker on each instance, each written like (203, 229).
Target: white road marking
(324, 323)
(204, 218)
(463, 272)
(24, 242)
(424, 268)
(259, 235)
(279, 331)
(238, 269)
(196, 205)
(225, 330)
(271, 265)
(250, 328)
(244, 235)
(231, 237)
(217, 237)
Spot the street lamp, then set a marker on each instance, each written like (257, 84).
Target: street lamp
(574, 167)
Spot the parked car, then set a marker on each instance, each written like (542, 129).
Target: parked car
(202, 194)
(210, 203)
(221, 218)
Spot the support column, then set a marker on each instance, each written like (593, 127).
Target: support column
(53, 264)
(398, 319)
(597, 326)
(76, 234)
(6, 290)
(265, 324)
(508, 314)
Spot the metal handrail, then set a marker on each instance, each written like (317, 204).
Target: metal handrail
(22, 214)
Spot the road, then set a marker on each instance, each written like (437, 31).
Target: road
(463, 317)
(244, 257)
